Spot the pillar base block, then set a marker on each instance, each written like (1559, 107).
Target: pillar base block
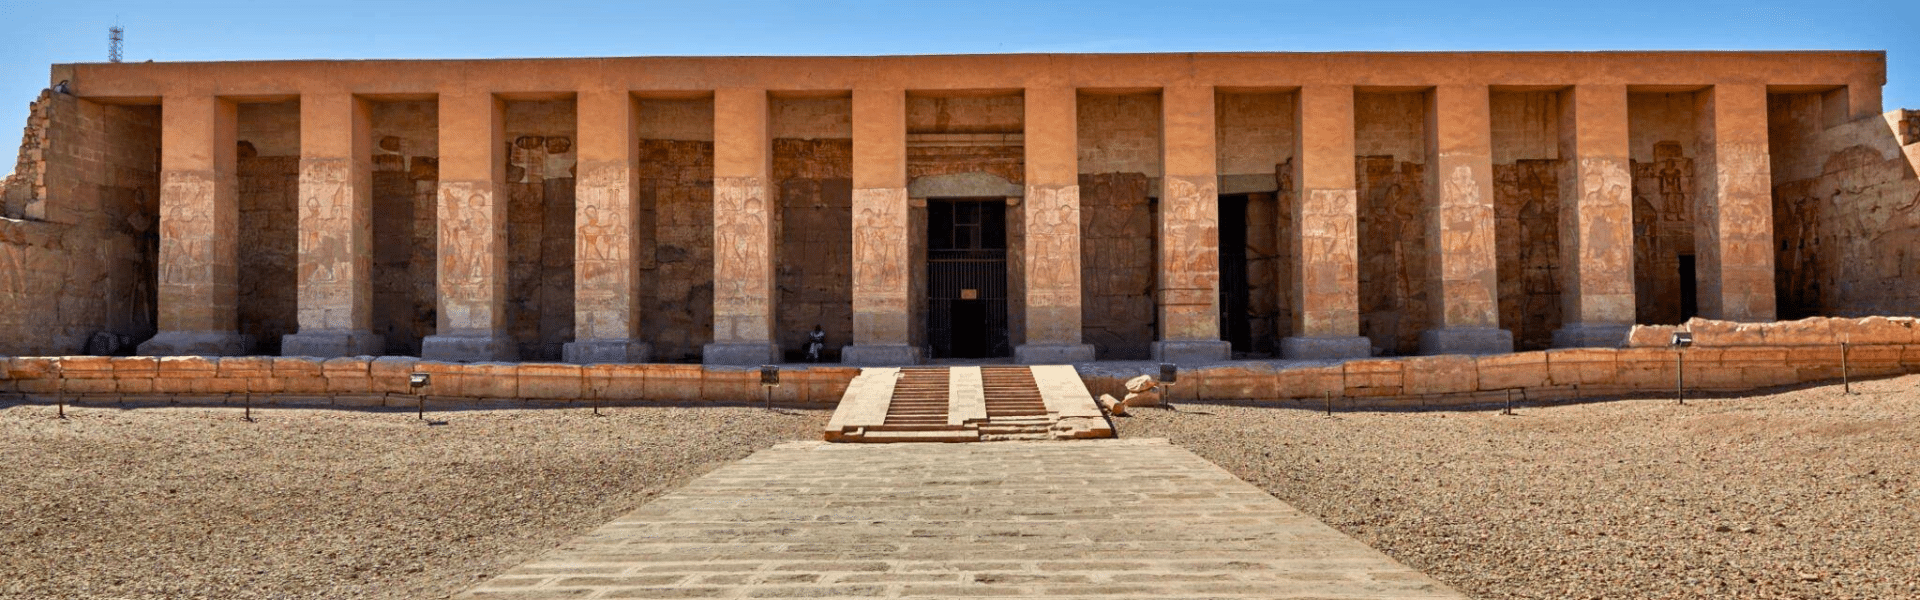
(1325, 348)
(1591, 335)
(332, 344)
(1192, 352)
(587, 352)
(469, 348)
(880, 355)
(740, 353)
(1466, 340)
(1052, 354)
(198, 343)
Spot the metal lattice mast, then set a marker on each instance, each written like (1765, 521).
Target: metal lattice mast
(115, 36)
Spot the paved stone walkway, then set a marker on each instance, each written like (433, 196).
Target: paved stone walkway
(1060, 519)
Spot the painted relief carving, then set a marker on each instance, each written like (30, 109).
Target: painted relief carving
(1190, 259)
(880, 250)
(1053, 246)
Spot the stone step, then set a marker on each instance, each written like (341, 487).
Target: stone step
(940, 404)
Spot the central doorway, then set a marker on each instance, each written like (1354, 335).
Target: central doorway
(967, 278)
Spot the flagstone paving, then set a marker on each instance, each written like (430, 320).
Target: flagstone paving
(1059, 519)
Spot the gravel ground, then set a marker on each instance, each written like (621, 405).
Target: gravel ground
(195, 503)
(1798, 494)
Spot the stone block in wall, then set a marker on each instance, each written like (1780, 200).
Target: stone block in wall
(299, 375)
(674, 383)
(1433, 375)
(1652, 336)
(254, 374)
(551, 381)
(731, 384)
(134, 374)
(87, 374)
(614, 382)
(1248, 381)
(1813, 363)
(1874, 360)
(1380, 377)
(826, 385)
(1812, 331)
(1720, 334)
(1910, 357)
(392, 374)
(1509, 371)
(1875, 330)
(1583, 367)
(490, 380)
(348, 374)
(1646, 368)
(183, 374)
(1310, 382)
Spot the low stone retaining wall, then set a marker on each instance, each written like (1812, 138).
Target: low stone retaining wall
(369, 381)
(1725, 357)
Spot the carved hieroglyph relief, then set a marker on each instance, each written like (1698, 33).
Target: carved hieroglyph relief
(1466, 251)
(880, 266)
(742, 261)
(1189, 259)
(471, 255)
(603, 296)
(1053, 246)
(1605, 241)
(1329, 271)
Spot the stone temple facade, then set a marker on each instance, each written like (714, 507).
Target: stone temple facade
(1043, 208)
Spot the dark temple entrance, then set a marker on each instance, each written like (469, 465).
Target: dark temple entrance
(967, 278)
(1235, 322)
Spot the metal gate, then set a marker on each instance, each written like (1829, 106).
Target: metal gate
(967, 279)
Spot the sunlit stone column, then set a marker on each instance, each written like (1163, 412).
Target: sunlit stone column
(606, 305)
(199, 221)
(472, 274)
(336, 230)
(1596, 218)
(1463, 288)
(743, 234)
(1052, 218)
(1735, 205)
(1189, 231)
(881, 321)
(1326, 284)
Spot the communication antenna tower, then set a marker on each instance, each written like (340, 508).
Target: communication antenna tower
(115, 36)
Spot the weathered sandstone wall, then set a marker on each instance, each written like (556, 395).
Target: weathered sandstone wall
(268, 169)
(79, 236)
(1846, 210)
(1390, 132)
(1526, 195)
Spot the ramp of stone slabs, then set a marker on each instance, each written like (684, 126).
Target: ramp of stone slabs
(1084, 519)
(892, 404)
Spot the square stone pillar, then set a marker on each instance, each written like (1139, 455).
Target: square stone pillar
(881, 320)
(1734, 209)
(1463, 289)
(472, 228)
(743, 231)
(1189, 230)
(1326, 279)
(199, 275)
(1596, 218)
(336, 230)
(606, 305)
(1052, 219)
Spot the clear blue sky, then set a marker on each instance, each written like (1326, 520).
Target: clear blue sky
(36, 33)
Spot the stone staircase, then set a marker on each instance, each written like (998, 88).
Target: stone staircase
(966, 404)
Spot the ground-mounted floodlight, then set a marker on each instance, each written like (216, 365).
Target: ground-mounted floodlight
(1681, 341)
(418, 383)
(769, 379)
